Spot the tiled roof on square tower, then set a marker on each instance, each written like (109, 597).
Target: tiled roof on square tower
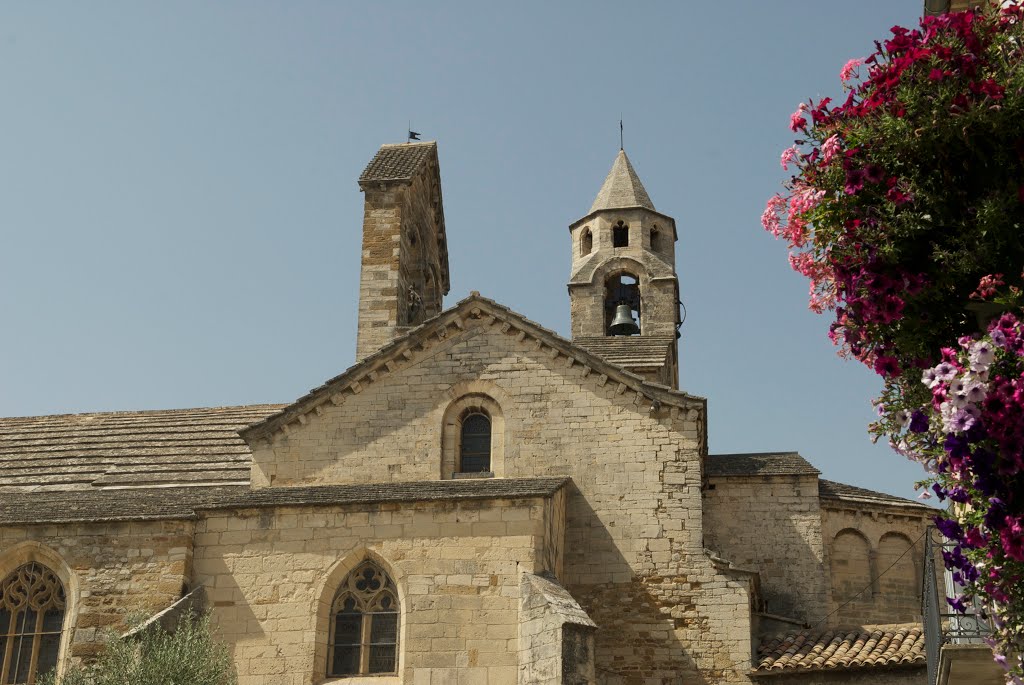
(397, 162)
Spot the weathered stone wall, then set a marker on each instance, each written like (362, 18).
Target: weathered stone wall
(634, 552)
(875, 558)
(109, 571)
(771, 524)
(271, 575)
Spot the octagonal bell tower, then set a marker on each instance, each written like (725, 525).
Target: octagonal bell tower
(623, 269)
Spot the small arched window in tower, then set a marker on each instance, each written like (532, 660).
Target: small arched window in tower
(620, 235)
(586, 242)
(622, 304)
(31, 617)
(655, 238)
(364, 624)
(475, 442)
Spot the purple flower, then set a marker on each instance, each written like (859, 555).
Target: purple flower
(948, 527)
(962, 421)
(918, 421)
(957, 604)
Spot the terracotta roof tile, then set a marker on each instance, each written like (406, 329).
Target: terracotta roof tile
(823, 649)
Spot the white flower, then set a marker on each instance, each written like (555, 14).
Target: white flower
(945, 371)
(998, 337)
(975, 392)
(930, 378)
(981, 354)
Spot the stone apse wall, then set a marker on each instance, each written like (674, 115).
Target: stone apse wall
(875, 557)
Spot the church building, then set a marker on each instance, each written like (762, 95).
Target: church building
(476, 501)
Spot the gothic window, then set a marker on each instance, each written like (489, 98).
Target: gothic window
(586, 242)
(31, 616)
(620, 235)
(364, 624)
(475, 443)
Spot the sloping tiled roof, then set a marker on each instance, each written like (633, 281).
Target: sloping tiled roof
(622, 188)
(824, 649)
(828, 489)
(759, 464)
(108, 504)
(127, 449)
(183, 503)
(397, 162)
(628, 351)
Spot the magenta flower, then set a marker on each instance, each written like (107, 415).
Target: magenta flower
(796, 119)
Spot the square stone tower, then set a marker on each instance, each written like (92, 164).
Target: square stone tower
(404, 274)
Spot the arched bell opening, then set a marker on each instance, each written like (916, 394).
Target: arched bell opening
(622, 304)
(586, 242)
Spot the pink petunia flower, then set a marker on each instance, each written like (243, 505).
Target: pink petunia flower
(849, 70)
(830, 148)
(789, 156)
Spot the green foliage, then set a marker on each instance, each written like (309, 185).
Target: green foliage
(189, 656)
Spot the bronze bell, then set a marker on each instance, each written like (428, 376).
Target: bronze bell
(623, 323)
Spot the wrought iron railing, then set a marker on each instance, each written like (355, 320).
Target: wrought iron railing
(941, 625)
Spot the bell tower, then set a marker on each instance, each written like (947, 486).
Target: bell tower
(404, 273)
(623, 291)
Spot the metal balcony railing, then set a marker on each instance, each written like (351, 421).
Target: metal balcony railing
(941, 625)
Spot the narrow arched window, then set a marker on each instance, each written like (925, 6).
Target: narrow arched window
(31, 617)
(620, 235)
(364, 624)
(475, 443)
(586, 242)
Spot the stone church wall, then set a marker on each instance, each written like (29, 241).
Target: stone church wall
(271, 575)
(110, 571)
(875, 559)
(634, 551)
(771, 524)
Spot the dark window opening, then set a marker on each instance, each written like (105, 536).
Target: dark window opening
(620, 235)
(586, 242)
(655, 239)
(475, 444)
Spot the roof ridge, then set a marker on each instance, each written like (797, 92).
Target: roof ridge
(368, 369)
(135, 412)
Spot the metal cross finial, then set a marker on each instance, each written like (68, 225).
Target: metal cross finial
(620, 132)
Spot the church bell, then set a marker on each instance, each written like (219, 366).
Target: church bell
(623, 323)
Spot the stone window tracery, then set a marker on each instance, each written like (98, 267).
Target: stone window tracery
(364, 624)
(32, 603)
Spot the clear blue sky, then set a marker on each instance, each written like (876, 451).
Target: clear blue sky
(180, 218)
